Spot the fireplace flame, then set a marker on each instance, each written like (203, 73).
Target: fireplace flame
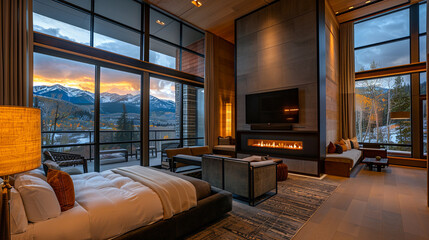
(294, 145)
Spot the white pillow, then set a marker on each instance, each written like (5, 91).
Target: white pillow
(40, 201)
(35, 172)
(18, 218)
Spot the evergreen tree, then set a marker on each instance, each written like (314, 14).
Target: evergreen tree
(400, 102)
(123, 124)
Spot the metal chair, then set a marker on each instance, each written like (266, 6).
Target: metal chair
(66, 159)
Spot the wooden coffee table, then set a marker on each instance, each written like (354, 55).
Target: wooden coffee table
(384, 162)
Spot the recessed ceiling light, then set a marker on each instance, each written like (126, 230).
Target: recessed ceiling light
(160, 22)
(196, 3)
(351, 7)
(368, 1)
(337, 12)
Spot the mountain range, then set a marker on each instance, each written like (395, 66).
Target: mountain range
(109, 102)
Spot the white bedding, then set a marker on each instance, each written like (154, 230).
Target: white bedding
(108, 205)
(70, 225)
(177, 195)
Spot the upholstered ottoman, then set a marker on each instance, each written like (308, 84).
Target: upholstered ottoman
(282, 172)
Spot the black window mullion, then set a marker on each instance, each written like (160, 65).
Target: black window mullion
(414, 33)
(382, 43)
(92, 25)
(181, 43)
(146, 32)
(97, 120)
(181, 115)
(142, 27)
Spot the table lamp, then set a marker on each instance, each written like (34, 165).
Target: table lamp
(20, 151)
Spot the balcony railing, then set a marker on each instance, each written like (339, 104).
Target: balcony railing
(81, 138)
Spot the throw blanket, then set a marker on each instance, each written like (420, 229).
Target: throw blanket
(177, 195)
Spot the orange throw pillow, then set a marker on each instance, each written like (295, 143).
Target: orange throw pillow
(331, 148)
(63, 187)
(342, 144)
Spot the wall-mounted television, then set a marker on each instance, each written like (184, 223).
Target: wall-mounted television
(273, 107)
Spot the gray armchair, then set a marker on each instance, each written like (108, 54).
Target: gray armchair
(240, 177)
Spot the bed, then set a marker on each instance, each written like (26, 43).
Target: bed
(117, 204)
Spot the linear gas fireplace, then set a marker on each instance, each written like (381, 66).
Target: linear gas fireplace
(281, 144)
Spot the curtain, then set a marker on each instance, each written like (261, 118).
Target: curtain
(209, 89)
(16, 52)
(347, 81)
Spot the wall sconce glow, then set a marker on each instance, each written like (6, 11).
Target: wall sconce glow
(228, 119)
(196, 3)
(160, 22)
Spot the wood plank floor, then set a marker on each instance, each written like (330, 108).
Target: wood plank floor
(373, 205)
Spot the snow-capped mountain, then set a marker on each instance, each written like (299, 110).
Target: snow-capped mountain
(110, 102)
(72, 95)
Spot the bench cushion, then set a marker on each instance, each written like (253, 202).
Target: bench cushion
(187, 159)
(175, 151)
(198, 151)
(351, 156)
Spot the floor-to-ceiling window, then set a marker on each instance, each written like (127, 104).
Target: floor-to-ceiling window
(390, 80)
(64, 91)
(422, 57)
(93, 106)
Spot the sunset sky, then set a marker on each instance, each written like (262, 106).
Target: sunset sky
(50, 70)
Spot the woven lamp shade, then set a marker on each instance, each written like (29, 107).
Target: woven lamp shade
(20, 139)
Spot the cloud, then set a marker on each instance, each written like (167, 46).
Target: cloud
(392, 54)
(49, 70)
(60, 29)
(162, 89)
(379, 29)
(53, 32)
(116, 46)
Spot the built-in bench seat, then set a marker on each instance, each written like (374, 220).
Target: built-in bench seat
(342, 164)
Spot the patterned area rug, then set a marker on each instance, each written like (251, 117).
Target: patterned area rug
(279, 217)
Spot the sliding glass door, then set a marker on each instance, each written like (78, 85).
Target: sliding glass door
(120, 96)
(64, 91)
(164, 119)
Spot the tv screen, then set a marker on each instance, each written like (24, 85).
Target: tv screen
(273, 107)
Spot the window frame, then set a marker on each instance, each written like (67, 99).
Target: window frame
(57, 47)
(391, 40)
(414, 68)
